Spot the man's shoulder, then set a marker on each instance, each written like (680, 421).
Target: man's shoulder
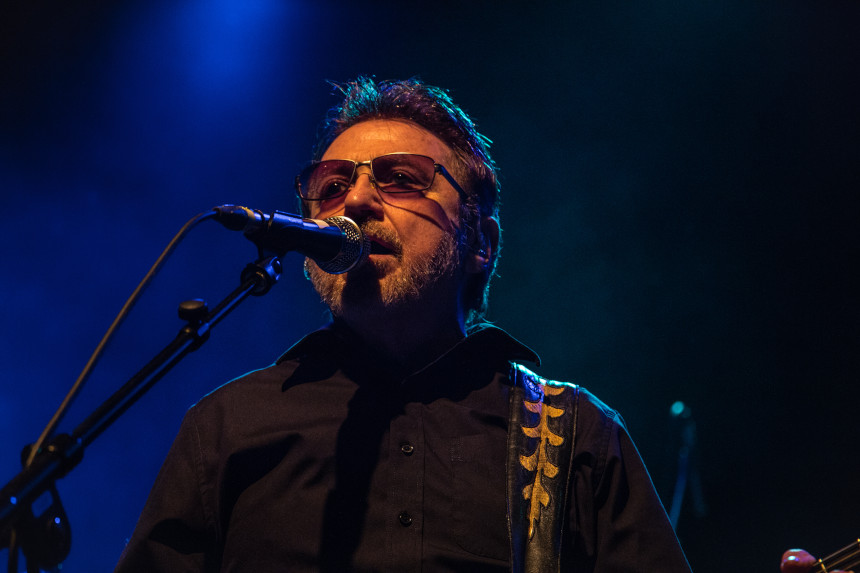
(249, 388)
(272, 378)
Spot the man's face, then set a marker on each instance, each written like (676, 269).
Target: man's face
(418, 232)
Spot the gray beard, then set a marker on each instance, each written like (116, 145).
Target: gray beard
(363, 289)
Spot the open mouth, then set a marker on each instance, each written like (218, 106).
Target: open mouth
(381, 247)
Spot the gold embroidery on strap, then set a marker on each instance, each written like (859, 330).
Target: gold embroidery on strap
(538, 461)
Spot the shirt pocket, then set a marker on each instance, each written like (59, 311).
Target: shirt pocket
(479, 509)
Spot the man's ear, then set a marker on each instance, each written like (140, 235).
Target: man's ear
(482, 252)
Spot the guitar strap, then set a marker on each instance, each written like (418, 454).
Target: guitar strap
(541, 432)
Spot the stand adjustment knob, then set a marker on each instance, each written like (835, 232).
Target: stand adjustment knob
(194, 310)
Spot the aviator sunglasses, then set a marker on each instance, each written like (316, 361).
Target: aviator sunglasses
(390, 173)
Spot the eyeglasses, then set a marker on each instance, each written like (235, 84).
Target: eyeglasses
(391, 173)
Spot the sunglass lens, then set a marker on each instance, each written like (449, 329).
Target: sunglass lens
(402, 172)
(326, 179)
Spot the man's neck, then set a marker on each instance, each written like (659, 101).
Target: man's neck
(408, 340)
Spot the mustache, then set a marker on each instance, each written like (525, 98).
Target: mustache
(380, 233)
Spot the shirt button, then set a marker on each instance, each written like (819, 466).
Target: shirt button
(407, 449)
(405, 519)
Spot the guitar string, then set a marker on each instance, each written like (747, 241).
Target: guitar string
(844, 558)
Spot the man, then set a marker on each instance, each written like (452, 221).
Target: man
(391, 440)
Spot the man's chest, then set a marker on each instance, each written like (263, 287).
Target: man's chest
(369, 483)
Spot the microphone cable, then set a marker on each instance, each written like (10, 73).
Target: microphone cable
(120, 317)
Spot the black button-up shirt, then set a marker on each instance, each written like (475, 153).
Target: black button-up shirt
(330, 461)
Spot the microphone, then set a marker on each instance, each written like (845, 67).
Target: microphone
(336, 243)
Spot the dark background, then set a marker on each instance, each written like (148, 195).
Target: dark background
(679, 183)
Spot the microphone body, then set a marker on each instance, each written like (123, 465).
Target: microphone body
(336, 244)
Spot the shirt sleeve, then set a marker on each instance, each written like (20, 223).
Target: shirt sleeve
(618, 522)
(176, 530)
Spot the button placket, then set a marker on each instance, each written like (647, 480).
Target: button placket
(406, 493)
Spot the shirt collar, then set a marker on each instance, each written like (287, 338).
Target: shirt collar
(488, 341)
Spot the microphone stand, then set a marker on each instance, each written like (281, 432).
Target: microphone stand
(45, 539)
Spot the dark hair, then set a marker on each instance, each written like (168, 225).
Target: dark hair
(431, 108)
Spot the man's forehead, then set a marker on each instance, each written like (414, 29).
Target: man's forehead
(375, 137)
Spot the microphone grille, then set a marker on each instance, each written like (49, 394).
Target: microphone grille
(354, 249)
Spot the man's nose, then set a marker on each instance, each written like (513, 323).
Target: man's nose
(362, 198)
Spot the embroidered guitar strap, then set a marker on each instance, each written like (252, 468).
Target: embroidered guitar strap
(541, 431)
